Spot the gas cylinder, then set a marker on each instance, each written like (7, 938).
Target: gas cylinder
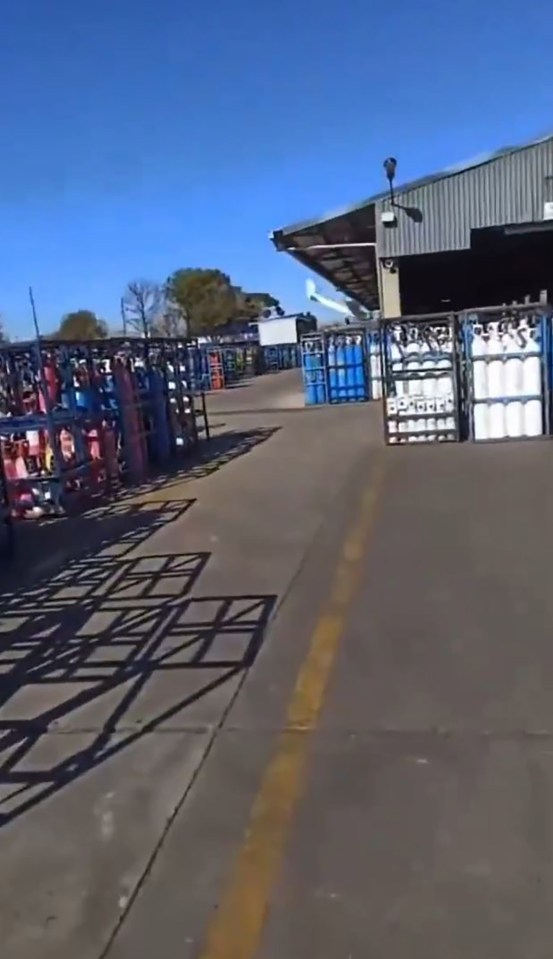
(412, 424)
(511, 342)
(479, 375)
(496, 420)
(413, 362)
(481, 421)
(495, 365)
(402, 410)
(531, 365)
(513, 419)
(533, 419)
(377, 367)
(33, 439)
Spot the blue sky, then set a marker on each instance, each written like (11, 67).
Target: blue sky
(139, 137)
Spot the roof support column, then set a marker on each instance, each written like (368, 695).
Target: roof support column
(388, 281)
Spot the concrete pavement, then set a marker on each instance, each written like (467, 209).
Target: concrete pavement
(298, 710)
(120, 665)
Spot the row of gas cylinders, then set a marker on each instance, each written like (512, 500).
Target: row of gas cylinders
(420, 360)
(507, 384)
(489, 382)
(422, 407)
(341, 367)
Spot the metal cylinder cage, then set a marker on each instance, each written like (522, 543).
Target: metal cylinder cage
(481, 375)
(81, 419)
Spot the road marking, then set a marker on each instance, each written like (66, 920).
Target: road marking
(236, 929)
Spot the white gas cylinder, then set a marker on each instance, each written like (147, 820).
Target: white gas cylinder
(533, 419)
(481, 421)
(513, 364)
(531, 370)
(514, 419)
(427, 366)
(396, 358)
(495, 366)
(479, 375)
(413, 363)
(496, 422)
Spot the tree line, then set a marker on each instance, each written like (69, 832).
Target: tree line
(192, 302)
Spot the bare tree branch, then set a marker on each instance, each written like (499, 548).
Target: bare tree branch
(142, 304)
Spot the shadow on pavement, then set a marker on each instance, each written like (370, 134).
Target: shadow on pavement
(109, 649)
(211, 456)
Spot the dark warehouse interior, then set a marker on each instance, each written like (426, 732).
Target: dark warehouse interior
(500, 267)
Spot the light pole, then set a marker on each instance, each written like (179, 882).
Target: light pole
(390, 166)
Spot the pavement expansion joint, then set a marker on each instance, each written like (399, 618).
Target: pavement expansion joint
(53, 730)
(434, 732)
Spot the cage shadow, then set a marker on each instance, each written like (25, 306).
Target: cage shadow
(209, 458)
(111, 652)
(112, 529)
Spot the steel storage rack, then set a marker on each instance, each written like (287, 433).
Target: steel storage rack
(420, 365)
(77, 419)
(346, 362)
(271, 359)
(335, 366)
(314, 369)
(44, 432)
(284, 356)
(507, 372)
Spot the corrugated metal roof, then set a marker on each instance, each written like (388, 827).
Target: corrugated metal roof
(352, 270)
(510, 187)
(434, 213)
(480, 160)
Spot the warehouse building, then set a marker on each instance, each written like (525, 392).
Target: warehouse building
(474, 235)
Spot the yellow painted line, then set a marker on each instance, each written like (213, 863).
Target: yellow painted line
(235, 931)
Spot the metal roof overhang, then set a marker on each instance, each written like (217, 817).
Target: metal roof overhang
(328, 247)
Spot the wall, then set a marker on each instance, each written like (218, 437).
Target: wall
(275, 332)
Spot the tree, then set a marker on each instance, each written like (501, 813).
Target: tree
(170, 323)
(82, 325)
(205, 298)
(142, 306)
(4, 338)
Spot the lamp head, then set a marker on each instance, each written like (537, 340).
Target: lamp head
(390, 164)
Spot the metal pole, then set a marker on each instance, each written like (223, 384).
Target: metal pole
(123, 316)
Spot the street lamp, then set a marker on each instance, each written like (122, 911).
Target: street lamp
(390, 166)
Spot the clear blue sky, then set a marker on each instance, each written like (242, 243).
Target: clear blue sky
(139, 137)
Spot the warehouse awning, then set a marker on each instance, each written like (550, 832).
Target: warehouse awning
(318, 246)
